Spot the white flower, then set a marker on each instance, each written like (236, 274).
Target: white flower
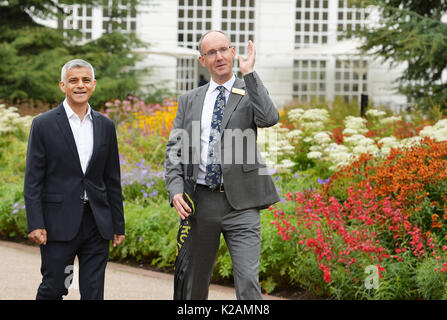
(357, 139)
(390, 120)
(385, 151)
(308, 139)
(389, 142)
(412, 141)
(437, 132)
(372, 149)
(286, 163)
(322, 138)
(314, 126)
(295, 114)
(375, 113)
(356, 124)
(349, 131)
(294, 134)
(360, 149)
(316, 148)
(287, 148)
(10, 120)
(314, 155)
(336, 148)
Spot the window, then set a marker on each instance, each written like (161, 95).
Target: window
(351, 78)
(190, 28)
(240, 16)
(309, 80)
(186, 74)
(349, 18)
(311, 23)
(119, 15)
(80, 19)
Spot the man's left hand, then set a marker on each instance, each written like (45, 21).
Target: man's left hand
(118, 238)
(247, 66)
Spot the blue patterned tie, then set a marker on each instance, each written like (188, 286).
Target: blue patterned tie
(213, 168)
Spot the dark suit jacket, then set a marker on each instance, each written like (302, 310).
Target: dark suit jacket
(246, 183)
(55, 184)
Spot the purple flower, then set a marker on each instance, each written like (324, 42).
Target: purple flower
(276, 178)
(154, 193)
(296, 175)
(140, 239)
(321, 181)
(283, 200)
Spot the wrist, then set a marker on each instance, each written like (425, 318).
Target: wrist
(246, 73)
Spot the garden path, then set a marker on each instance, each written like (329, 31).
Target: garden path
(20, 276)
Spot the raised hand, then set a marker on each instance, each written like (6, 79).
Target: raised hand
(247, 65)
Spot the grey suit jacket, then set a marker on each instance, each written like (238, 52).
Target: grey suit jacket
(246, 183)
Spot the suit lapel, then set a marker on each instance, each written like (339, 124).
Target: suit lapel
(197, 103)
(64, 126)
(96, 137)
(233, 101)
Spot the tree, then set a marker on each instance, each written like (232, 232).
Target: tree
(411, 32)
(32, 54)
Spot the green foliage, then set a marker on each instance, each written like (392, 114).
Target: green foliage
(42, 51)
(398, 282)
(151, 233)
(411, 32)
(137, 147)
(12, 156)
(152, 226)
(12, 213)
(432, 285)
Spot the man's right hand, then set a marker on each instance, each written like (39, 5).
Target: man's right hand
(181, 206)
(38, 236)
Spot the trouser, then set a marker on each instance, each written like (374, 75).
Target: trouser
(242, 232)
(58, 258)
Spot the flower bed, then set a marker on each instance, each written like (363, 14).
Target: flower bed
(362, 212)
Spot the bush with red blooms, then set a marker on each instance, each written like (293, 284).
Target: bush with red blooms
(388, 216)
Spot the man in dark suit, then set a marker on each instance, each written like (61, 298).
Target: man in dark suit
(219, 122)
(72, 188)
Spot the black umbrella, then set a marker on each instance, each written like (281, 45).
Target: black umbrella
(184, 237)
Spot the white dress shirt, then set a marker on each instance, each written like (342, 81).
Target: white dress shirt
(207, 114)
(83, 135)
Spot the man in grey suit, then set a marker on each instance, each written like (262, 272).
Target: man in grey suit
(218, 122)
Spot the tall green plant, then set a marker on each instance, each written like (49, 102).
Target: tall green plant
(411, 33)
(32, 54)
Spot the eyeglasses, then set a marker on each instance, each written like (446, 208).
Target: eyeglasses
(212, 53)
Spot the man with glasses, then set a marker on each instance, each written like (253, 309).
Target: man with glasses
(231, 182)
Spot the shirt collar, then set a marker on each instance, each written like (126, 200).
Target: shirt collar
(228, 85)
(70, 111)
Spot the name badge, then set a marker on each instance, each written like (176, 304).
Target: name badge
(238, 91)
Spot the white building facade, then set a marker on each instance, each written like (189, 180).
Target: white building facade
(301, 55)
